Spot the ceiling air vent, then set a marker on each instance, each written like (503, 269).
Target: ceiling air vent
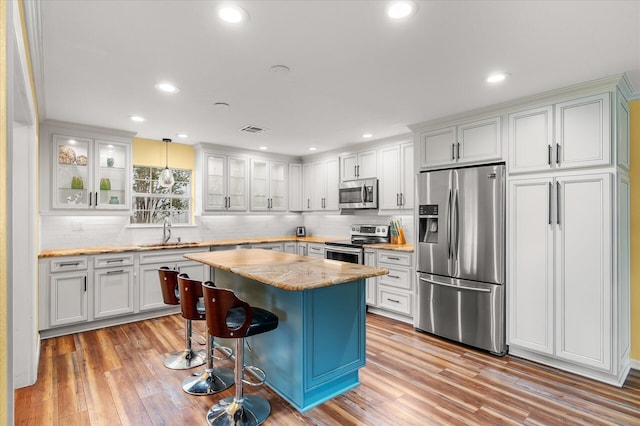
(252, 129)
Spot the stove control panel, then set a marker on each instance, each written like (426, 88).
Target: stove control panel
(370, 230)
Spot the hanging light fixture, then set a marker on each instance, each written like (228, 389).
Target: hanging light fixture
(166, 177)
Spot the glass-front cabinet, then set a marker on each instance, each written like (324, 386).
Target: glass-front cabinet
(226, 183)
(90, 174)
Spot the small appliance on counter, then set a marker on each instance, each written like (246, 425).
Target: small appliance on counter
(301, 231)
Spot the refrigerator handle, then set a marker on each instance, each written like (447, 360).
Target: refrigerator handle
(449, 206)
(456, 228)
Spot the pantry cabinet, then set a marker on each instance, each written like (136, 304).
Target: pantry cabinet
(361, 165)
(268, 185)
(225, 183)
(461, 143)
(396, 184)
(566, 135)
(90, 174)
(561, 256)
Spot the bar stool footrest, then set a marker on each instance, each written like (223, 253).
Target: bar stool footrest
(256, 372)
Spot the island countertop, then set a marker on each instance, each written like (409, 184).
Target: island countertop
(285, 270)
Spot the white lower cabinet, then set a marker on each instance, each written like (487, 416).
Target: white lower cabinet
(291, 247)
(370, 260)
(395, 292)
(269, 246)
(315, 250)
(113, 292)
(68, 303)
(562, 274)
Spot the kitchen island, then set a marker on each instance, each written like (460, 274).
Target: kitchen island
(319, 345)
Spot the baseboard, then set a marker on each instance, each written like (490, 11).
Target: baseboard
(635, 364)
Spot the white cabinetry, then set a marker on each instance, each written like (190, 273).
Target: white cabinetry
(371, 288)
(561, 254)
(225, 182)
(113, 282)
(268, 185)
(315, 250)
(295, 187)
(63, 292)
(360, 165)
(566, 135)
(269, 246)
(568, 232)
(291, 247)
(395, 292)
(320, 185)
(396, 184)
(462, 143)
(90, 173)
(150, 293)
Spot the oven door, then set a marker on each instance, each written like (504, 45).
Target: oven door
(344, 254)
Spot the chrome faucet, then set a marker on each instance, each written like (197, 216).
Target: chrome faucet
(166, 230)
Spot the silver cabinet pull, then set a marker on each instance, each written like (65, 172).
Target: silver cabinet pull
(393, 300)
(115, 261)
(119, 271)
(453, 151)
(558, 153)
(549, 155)
(62, 265)
(308, 203)
(458, 153)
(358, 168)
(393, 258)
(394, 277)
(85, 283)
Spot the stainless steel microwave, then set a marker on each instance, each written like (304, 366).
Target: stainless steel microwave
(358, 194)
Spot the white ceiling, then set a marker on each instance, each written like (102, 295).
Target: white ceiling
(352, 69)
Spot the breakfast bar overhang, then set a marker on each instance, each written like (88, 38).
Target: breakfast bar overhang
(319, 345)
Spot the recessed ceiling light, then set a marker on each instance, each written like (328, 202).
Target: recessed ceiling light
(263, 148)
(367, 135)
(497, 77)
(182, 135)
(136, 118)
(221, 105)
(312, 148)
(167, 88)
(400, 9)
(232, 14)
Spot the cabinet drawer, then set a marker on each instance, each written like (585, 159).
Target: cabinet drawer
(112, 260)
(398, 278)
(395, 301)
(167, 256)
(68, 264)
(403, 259)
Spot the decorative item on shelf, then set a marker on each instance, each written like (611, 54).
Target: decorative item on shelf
(77, 183)
(110, 161)
(166, 179)
(114, 200)
(66, 155)
(105, 184)
(75, 198)
(81, 160)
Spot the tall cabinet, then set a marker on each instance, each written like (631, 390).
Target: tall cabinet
(568, 231)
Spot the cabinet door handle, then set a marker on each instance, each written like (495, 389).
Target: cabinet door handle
(61, 265)
(96, 198)
(90, 199)
(115, 261)
(397, 199)
(308, 203)
(550, 201)
(549, 155)
(85, 283)
(458, 153)
(558, 153)
(393, 300)
(395, 277)
(355, 171)
(358, 170)
(401, 199)
(558, 202)
(453, 151)
(119, 271)
(393, 258)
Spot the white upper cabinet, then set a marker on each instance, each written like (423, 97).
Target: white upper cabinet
(295, 187)
(567, 135)
(90, 174)
(622, 134)
(396, 177)
(465, 143)
(268, 185)
(225, 182)
(320, 185)
(361, 165)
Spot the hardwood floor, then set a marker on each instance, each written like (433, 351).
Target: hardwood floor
(115, 376)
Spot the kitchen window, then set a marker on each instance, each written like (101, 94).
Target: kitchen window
(153, 203)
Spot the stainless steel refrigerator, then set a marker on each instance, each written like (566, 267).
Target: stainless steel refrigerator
(461, 256)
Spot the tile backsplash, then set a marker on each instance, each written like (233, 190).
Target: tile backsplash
(89, 231)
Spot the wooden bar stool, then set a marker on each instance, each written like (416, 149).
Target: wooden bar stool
(187, 358)
(211, 380)
(232, 318)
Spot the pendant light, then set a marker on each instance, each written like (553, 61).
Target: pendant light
(166, 177)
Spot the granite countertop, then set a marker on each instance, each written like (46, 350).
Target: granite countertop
(285, 270)
(82, 251)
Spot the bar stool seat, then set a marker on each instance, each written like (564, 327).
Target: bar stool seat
(187, 358)
(211, 380)
(230, 317)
